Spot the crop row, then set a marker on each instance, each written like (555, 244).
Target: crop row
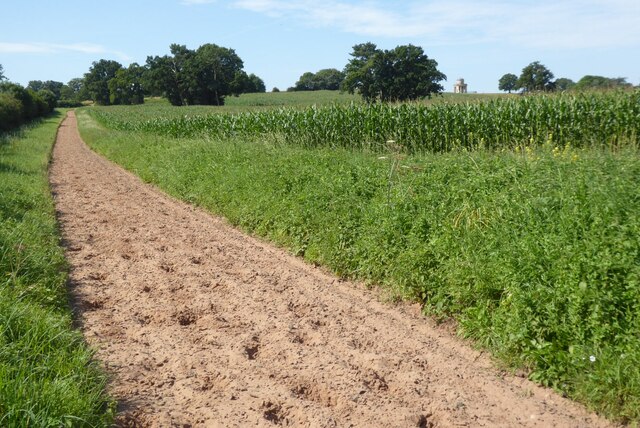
(582, 120)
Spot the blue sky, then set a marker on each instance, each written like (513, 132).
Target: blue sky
(280, 40)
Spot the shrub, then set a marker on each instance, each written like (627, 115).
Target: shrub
(10, 112)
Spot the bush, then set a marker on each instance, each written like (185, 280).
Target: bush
(10, 112)
(19, 105)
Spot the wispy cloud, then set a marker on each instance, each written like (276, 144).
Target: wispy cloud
(52, 48)
(543, 23)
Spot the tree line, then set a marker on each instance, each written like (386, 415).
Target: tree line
(19, 105)
(400, 74)
(535, 77)
(185, 77)
(210, 73)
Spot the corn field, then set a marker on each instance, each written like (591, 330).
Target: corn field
(573, 120)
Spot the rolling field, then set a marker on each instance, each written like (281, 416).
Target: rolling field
(518, 218)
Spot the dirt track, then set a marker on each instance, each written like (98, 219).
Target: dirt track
(200, 325)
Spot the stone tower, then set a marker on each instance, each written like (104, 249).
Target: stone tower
(460, 87)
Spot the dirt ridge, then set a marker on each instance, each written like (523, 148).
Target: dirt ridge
(200, 325)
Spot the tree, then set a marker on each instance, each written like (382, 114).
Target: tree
(126, 86)
(326, 79)
(306, 82)
(358, 73)
(203, 76)
(535, 77)
(400, 74)
(214, 70)
(601, 82)
(50, 85)
(48, 97)
(256, 84)
(329, 79)
(2, 77)
(508, 82)
(564, 84)
(97, 80)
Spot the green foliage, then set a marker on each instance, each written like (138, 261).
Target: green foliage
(48, 377)
(126, 86)
(49, 98)
(575, 120)
(10, 112)
(564, 84)
(401, 74)
(19, 105)
(97, 80)
(2, 76)
(204, 76)
(535, 77)
(49, 85)
(599, 82)
(250, 84)
(327, 79)
(532, 247)
(508, 82)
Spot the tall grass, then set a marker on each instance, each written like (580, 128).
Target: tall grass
(575, 120)
(47, 375)
(534, 251)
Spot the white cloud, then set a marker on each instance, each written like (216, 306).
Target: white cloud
(542, 24)
(52, 48)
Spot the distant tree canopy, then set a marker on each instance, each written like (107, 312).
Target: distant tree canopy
(126, 86)
(400, 74)
(38, 85)
(564, 84)
(254, 85)
(97, 80)
(325, 79)
(508, 82)
(204, 76)
(600, 82)
(2, 77)
(535, 77)
(73, 93)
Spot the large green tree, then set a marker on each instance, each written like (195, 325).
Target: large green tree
(126, 86)
(204, 76)
(508, 82)
(97, 80)
(400, 74)
(535, 77)
(215, 70)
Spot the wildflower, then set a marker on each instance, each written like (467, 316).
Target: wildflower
(592, 358)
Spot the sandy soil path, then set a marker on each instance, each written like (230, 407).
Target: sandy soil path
(200, 325)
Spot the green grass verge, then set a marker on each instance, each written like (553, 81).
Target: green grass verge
(535, 253)
(47, 375)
